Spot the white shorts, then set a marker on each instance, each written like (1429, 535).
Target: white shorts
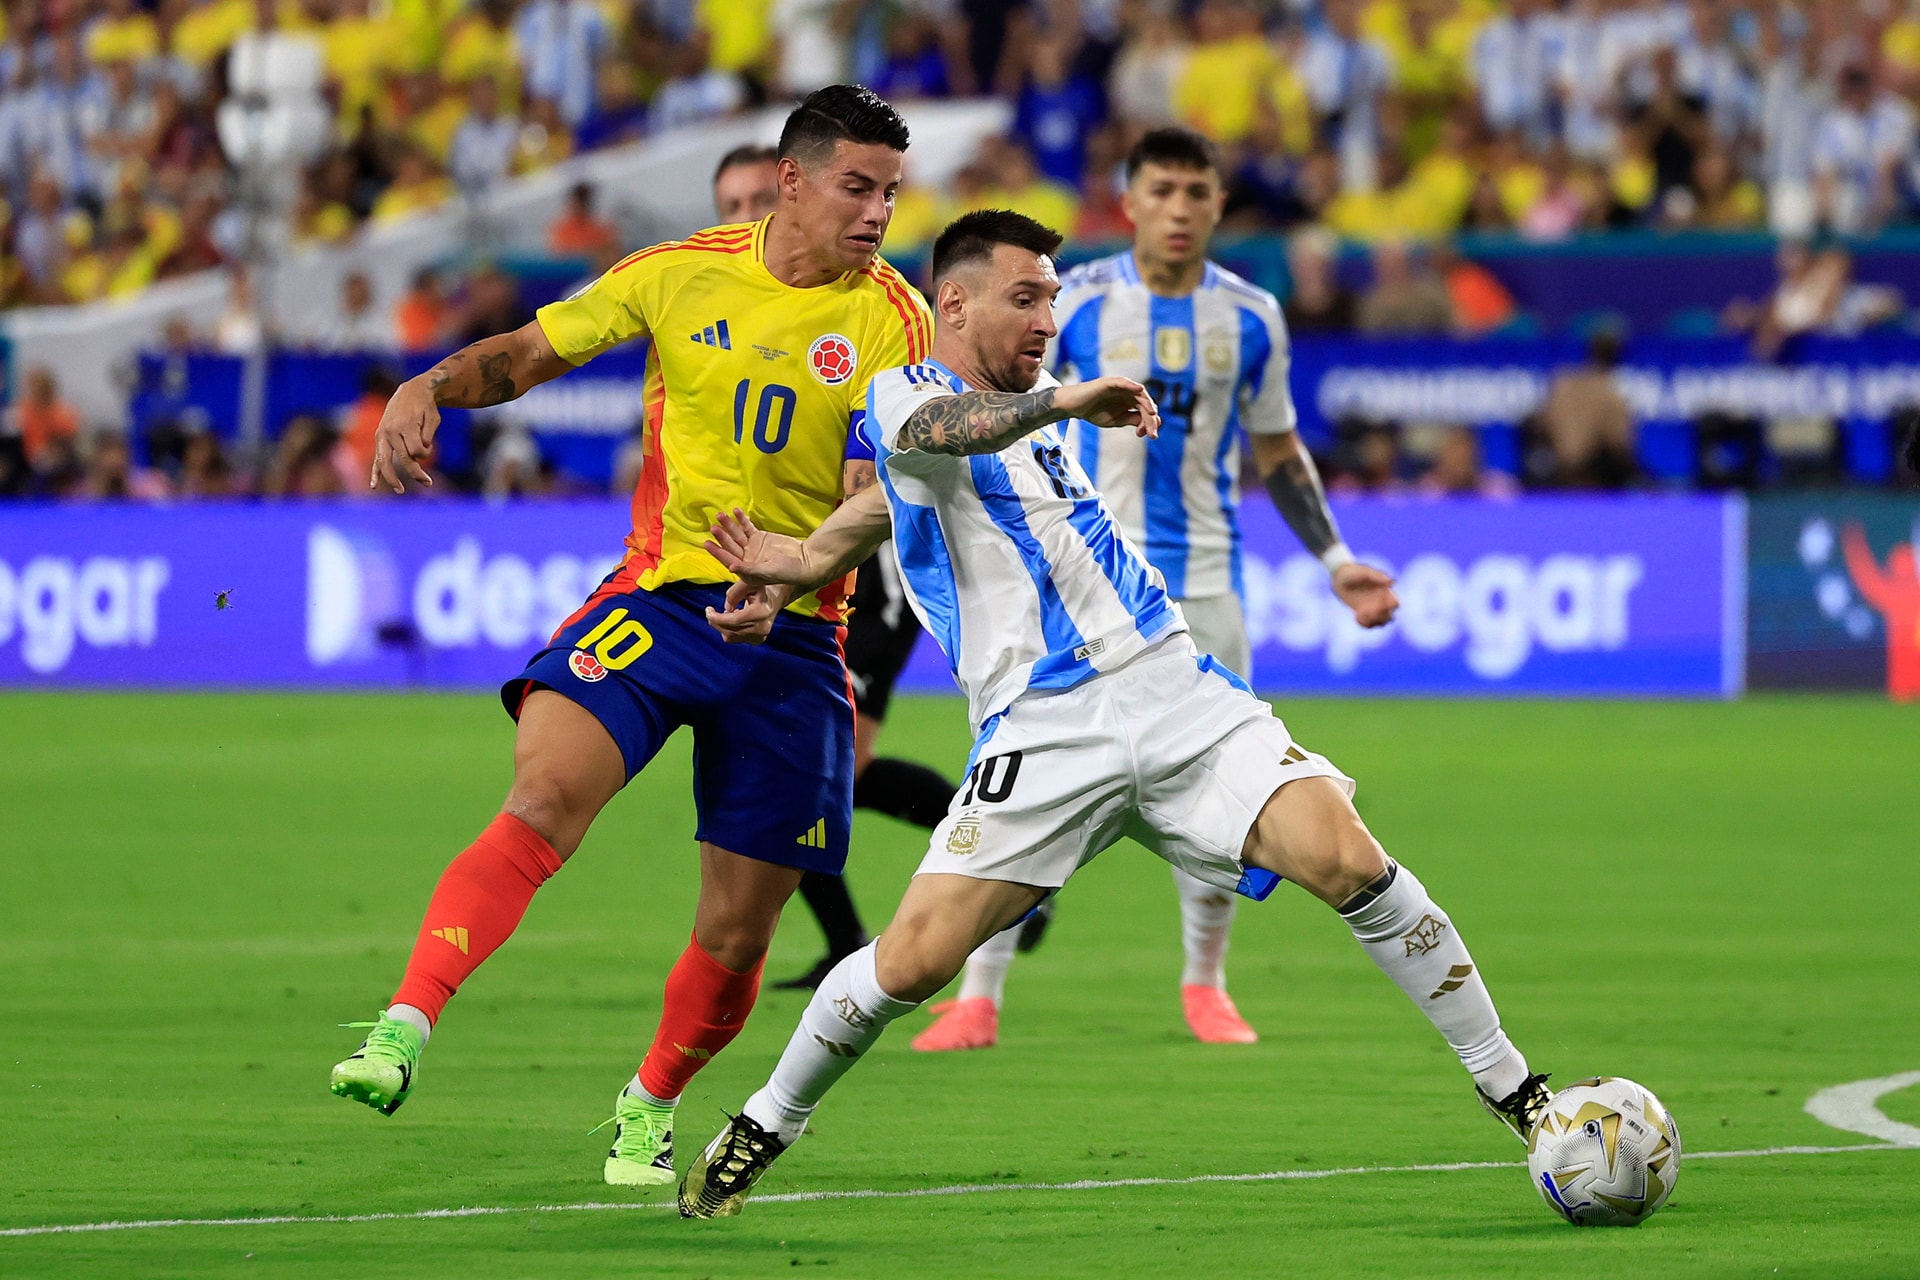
(1169, 749)
(1219, 626)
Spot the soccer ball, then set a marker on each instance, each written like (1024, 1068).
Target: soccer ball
(1606, 1153)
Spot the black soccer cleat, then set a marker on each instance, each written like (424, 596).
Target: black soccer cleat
(1034, 926)
(721, 1177)
(812, 978)
(1520, 1110)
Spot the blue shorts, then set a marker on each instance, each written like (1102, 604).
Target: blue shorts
(772, 723)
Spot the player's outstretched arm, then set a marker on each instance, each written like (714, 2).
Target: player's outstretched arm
(1287, 469)
(773, 567)
(989, 421)
(489, 372)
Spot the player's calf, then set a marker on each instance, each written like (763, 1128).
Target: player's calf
(1309, 833)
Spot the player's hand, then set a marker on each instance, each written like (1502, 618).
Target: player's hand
(1368, 592)
(405, 439)
(748, 613)
(1110, 402)
(753, 555)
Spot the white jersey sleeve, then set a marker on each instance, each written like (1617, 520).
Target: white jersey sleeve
(1266, 402)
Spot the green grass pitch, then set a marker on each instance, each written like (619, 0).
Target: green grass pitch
(1718, 900)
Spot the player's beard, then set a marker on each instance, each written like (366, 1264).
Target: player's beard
(1013, 376)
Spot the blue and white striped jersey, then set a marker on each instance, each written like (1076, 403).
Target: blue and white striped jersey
(1011, 560)
(1216, 364)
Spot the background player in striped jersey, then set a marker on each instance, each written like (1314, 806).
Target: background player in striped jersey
(1212, 351)
(763, 337)
(880, 637)
(1096, 716)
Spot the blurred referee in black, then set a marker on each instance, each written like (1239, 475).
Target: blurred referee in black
(880, 636)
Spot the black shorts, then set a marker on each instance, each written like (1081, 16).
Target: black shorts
(880, 635)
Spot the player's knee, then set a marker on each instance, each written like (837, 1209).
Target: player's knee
(734, 944)
(912, 964)
(552, 807)
(1320, 844)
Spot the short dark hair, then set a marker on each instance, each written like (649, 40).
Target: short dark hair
(1173, 147)
(840, 113)
(972, 237)
(752, 153)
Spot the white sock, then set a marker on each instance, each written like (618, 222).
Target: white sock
(637, 1090)
(415, 1018)
(1416, 945)
(846, 1015)
(1206, 924)
(986, 971)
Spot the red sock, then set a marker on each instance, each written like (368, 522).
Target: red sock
(476, 906)
(705, 1008)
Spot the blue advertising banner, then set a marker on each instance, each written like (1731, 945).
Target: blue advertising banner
(1668, 383)
(1635, 596)
(371, 593)
(1834, 592)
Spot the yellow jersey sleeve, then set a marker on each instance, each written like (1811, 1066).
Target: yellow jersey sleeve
(611, 310)
(904, 332)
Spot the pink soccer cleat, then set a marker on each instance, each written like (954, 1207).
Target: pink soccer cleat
(1214, 1020)
(973, 1023)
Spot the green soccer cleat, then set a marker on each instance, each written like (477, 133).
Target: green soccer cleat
(721, 1177)
(380, 1072)
(1520, 1110)
(642, 1151)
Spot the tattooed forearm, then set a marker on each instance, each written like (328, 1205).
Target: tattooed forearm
(977, 421)
(492, 371)
(1302, 501)
(496, 379)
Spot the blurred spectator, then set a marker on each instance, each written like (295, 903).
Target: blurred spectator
(492, 305)
(240, 330)
(483, 146)
(561, 44)
(1816, 294)
(577, 232)
(1318, 302)
(205, 471)
(1347, 75)
(1407, 299)
(1586, 428)
(813, 42)
(1148, 68)
(1019, 186)
(1480, 303)
(1565, 203)
(1727, 201)
(1220, 84)
(544, 139)
(1456, 471)
(1794, 96)
(1672, 125)
(695, 91)
(302, 464)
(359, 324)
(1370, 459)
(40, 419)
(110, 475)
(1859, 145)
(359, 425)
(916, 62)
(746, 185)
(1514, 67)
(1056, 112)
(512, 467)
(415, 188)
(421, 314)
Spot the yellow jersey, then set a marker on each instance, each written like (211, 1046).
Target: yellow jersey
(752, 387)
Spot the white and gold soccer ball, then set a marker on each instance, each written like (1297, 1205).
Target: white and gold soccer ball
(1606, 1153)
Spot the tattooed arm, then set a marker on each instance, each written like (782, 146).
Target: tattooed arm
(1290, 476)
(989, 421)
(491, 371)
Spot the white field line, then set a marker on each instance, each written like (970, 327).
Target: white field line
(1854, 1108)
(914, 1193)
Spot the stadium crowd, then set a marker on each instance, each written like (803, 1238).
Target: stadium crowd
(1374, 118)
(1392, 123)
